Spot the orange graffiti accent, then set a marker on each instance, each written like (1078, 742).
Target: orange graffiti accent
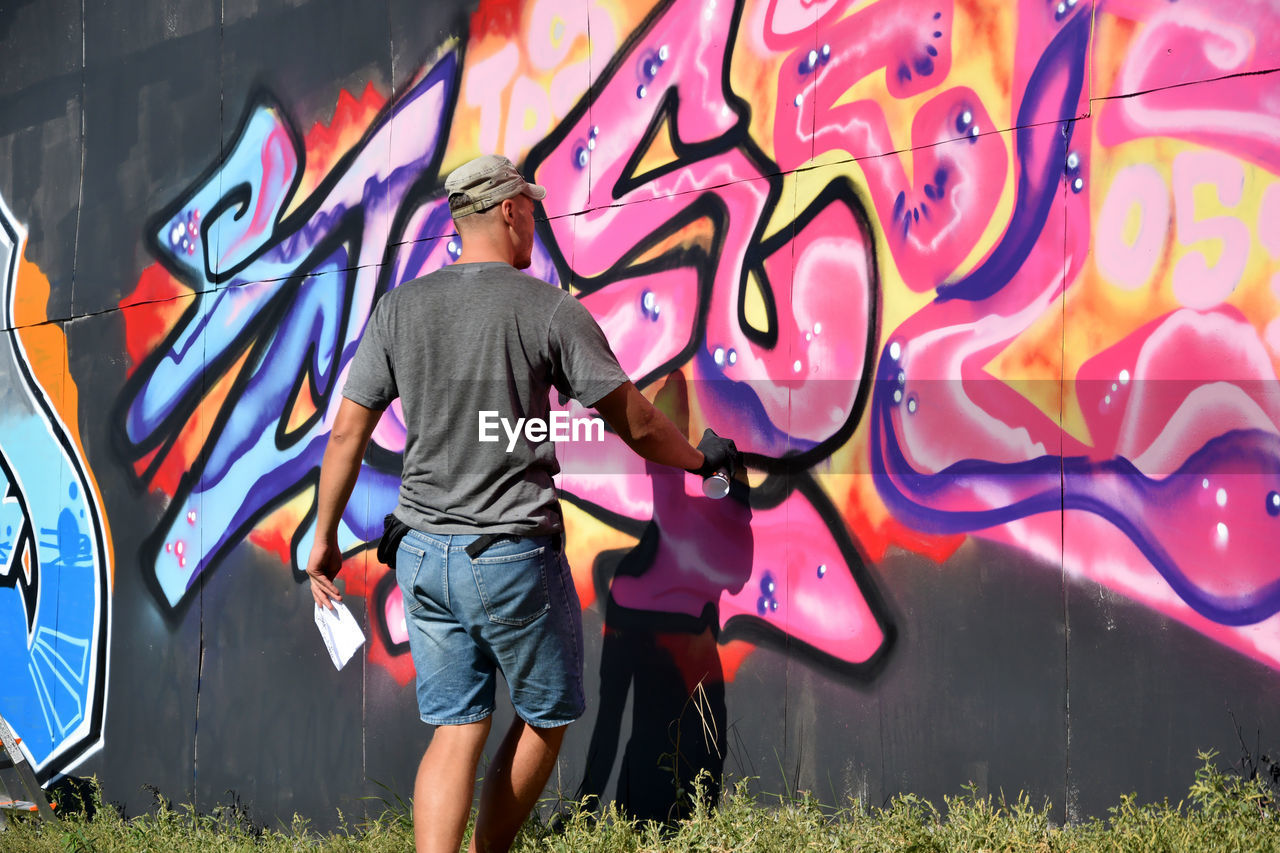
(700, 234)
(732, 655)
(936, 548)
(497, 18)
(661, 151)
(45, 345)
(31, 296)
(179, 458)
(301, 408)
(140, 466)
(156, 305)
(326, 143)
(585, 539)
(362, 573)
(270, 538)
(696, 655)
(399, 667)
(878, 530)
(1112, 44)
(526, 65)
(273, 533)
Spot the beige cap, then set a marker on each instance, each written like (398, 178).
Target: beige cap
(483, 182)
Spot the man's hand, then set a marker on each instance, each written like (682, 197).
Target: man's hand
(718, 453)
(339, 469)
(322, 567)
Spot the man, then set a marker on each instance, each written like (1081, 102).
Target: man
(482, 573)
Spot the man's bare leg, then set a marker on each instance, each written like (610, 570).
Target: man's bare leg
(442, 791)
(516, 777)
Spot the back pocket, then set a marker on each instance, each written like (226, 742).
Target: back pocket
(409, 560)
(513, 587)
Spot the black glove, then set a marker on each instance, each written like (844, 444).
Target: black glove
(719, 453)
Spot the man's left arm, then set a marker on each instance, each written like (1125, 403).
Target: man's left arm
(352, 428)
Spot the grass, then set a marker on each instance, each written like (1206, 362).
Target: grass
(1224, 810)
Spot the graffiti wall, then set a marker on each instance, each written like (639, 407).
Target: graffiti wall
(987, 292)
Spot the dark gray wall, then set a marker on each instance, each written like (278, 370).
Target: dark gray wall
(994, 658)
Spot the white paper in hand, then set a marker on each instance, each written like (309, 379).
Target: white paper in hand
(340, 631)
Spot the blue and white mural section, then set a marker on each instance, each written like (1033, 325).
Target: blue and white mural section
(55, 576)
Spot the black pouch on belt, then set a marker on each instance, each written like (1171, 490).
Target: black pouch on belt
(393, 530)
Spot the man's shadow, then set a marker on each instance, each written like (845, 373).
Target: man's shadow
(660, 644)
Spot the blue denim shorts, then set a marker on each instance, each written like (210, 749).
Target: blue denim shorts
(513, 608)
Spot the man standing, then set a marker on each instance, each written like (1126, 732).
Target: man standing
(484, 580)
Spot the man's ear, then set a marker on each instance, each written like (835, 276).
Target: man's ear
(509, 210)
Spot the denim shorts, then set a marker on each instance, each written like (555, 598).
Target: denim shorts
(513, 608)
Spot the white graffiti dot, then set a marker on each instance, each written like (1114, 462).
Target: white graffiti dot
(1221, 497)
(895, 351)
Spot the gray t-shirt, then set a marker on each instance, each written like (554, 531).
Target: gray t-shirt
(473, 338)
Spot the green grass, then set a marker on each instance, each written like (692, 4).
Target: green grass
(1224, 811)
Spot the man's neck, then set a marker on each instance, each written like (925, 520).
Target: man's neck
(477, 250)
(465, 258)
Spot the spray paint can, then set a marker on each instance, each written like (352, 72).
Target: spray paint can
(717, 485)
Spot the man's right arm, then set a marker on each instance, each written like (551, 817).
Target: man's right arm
(352, 428)
(646, 430)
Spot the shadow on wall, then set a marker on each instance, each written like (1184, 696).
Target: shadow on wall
(668, 662)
